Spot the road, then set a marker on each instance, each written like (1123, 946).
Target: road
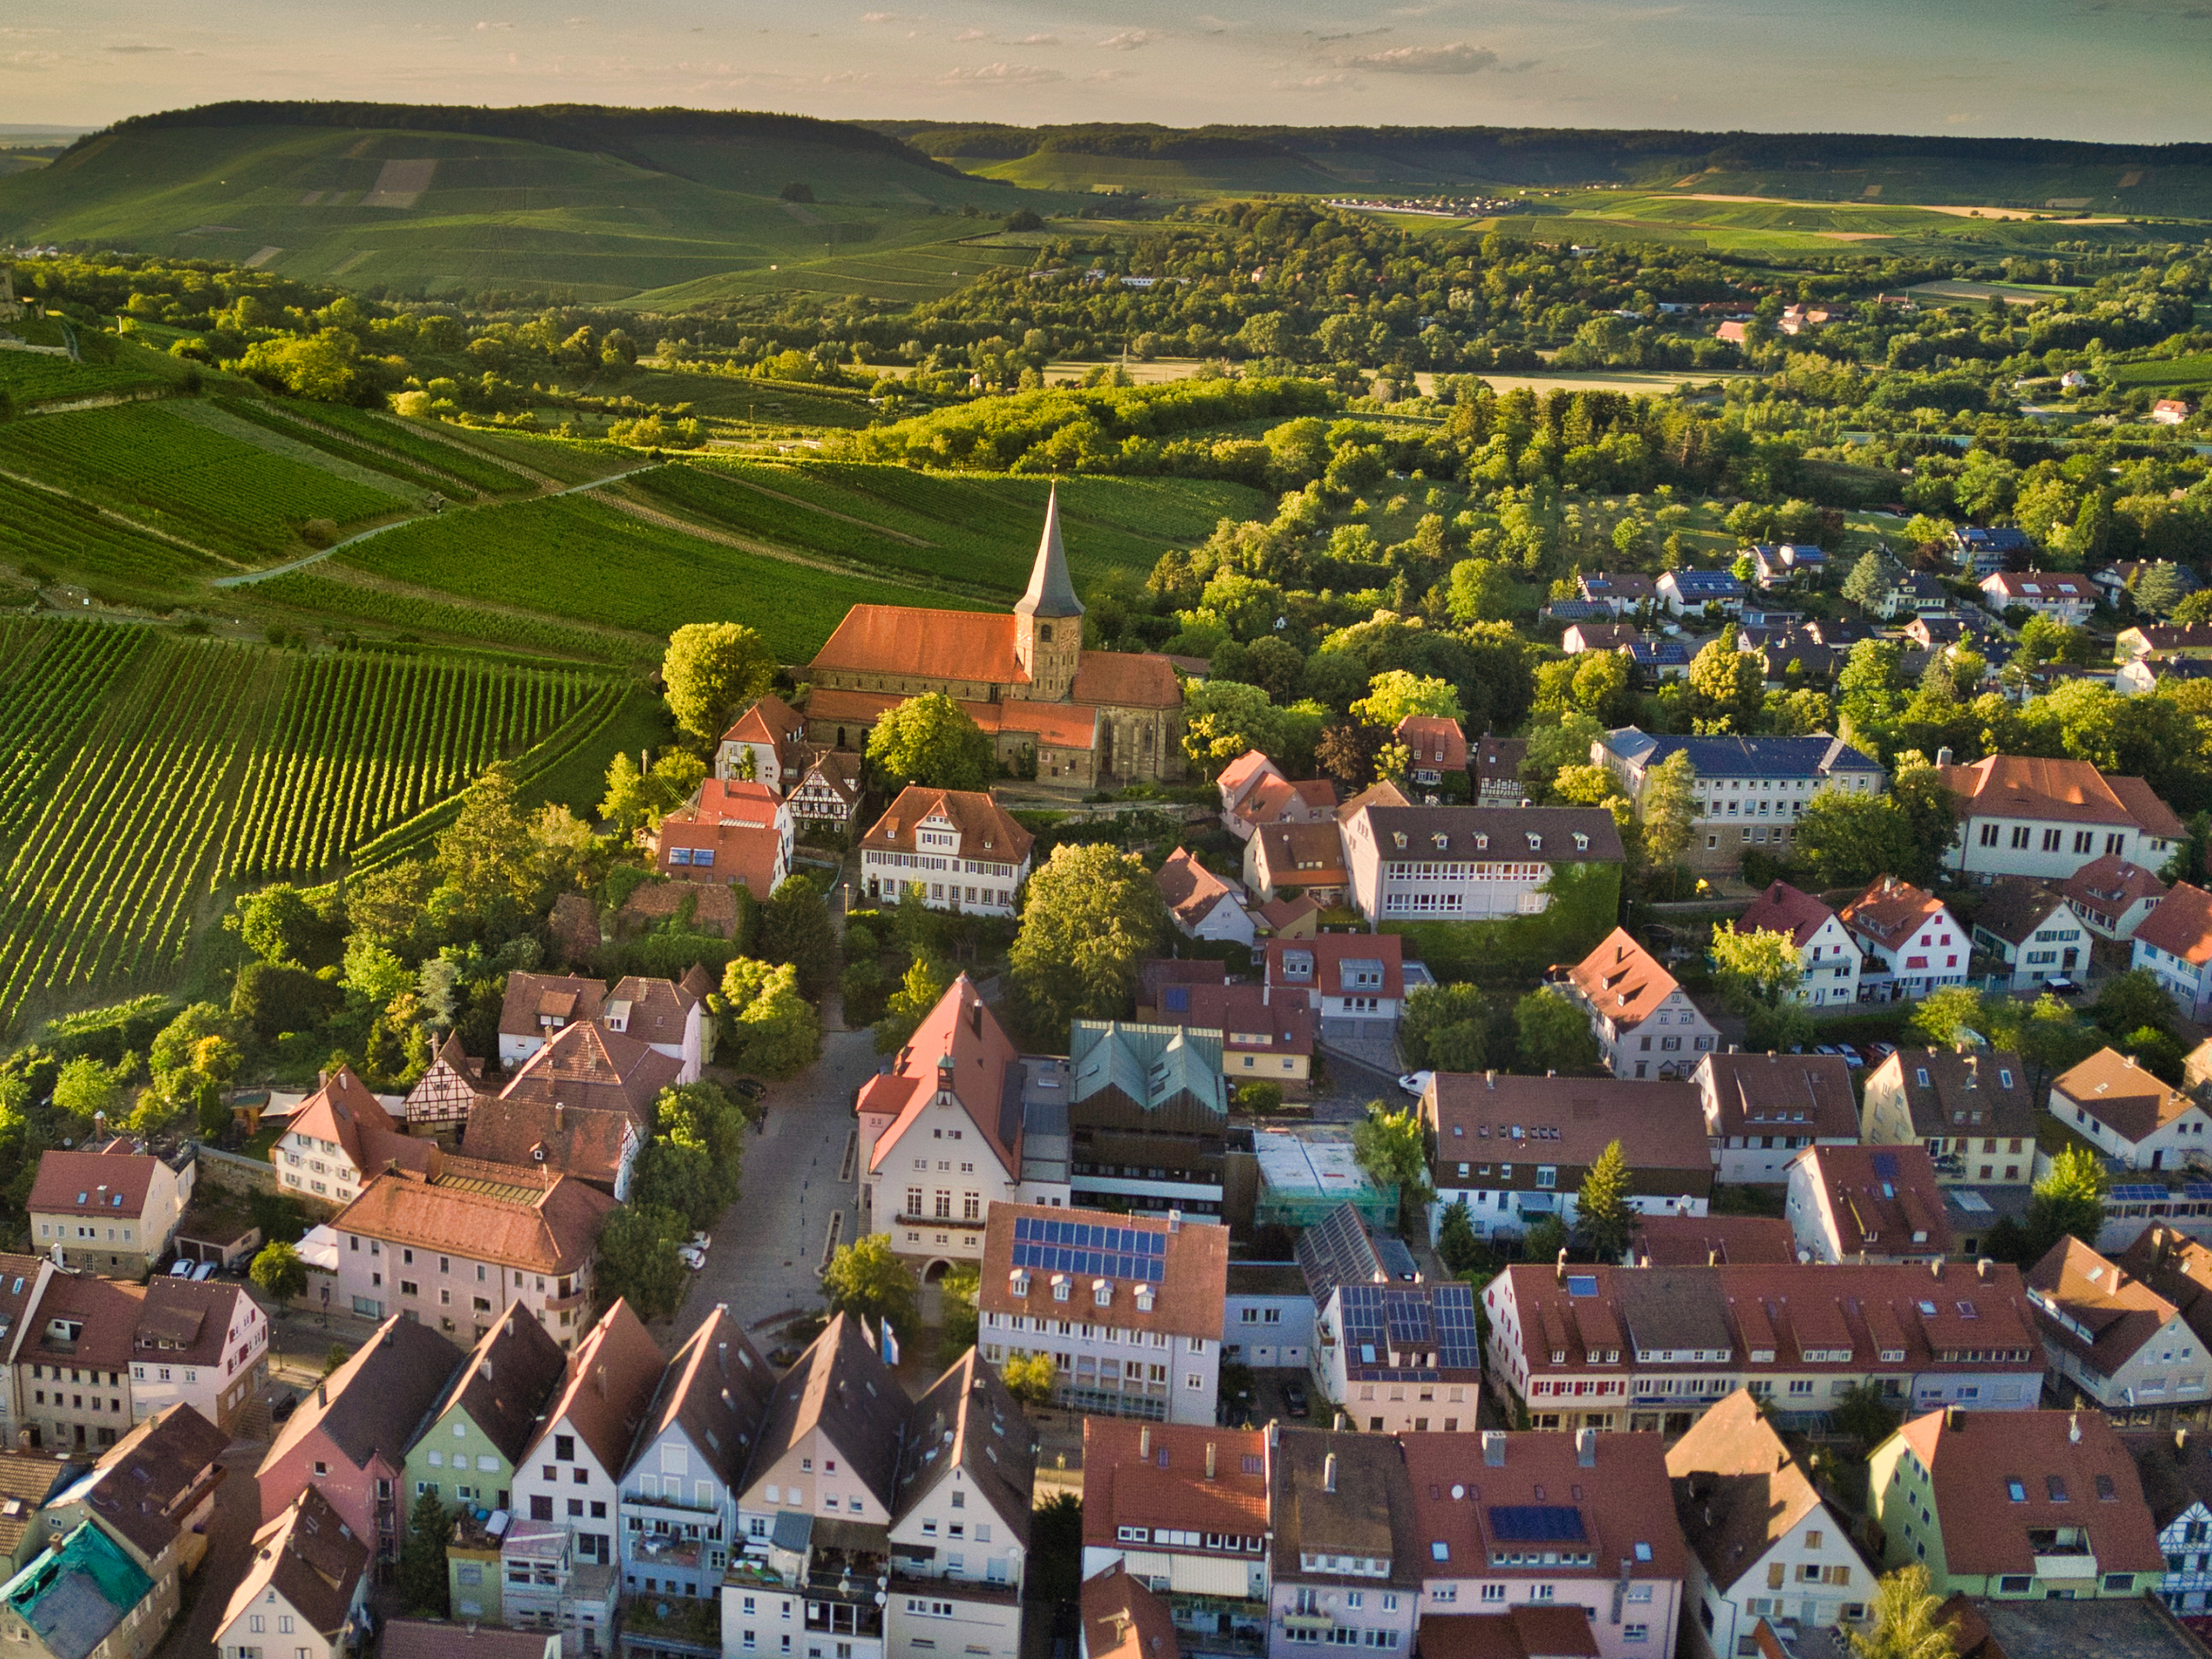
(768, 1251)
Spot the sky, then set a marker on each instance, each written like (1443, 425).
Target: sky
(2118, 70)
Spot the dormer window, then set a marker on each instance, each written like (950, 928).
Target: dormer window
(1018, 1283)
(1535, 841)
(1101, 1292)
(1442, 840)
(1062, 1287)
(1481, 843)
(1582, 841)
(1144, 1299)
(1398, 838)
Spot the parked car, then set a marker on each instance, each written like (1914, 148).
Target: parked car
(181, 1267)
(1881, 1051)
(1294, 1400)
(1829, 1049)
(2059, 986)
(701, 1241)
(1416, 1083)
(1852, 1057)
(750, 1087)
(693, 1257)
(284, 1409)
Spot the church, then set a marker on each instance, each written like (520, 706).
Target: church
(1086, 718)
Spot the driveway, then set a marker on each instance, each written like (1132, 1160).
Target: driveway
(768, 1251)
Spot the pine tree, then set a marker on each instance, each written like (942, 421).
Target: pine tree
(1904, 1620)
(1601, 1207)
(423, 1586)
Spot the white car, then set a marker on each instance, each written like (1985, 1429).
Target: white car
(694, 1257)
(1416, 1083)
(701, 1241)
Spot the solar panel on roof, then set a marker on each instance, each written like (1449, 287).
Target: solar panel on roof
(1070, 1247)
(1885, 1166)
(2142, 1193)
(1457, 1343)
(2198, 1190)
(1535, 1523)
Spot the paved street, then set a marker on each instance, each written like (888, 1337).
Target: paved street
(230, 1546)
(767, 1251)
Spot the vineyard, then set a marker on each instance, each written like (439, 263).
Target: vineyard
(320, 596)
(270, 417)
(176, 475)
(440, 454)
(34, 377)
(40, 529)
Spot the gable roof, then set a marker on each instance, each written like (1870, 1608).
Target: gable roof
(1273, 797)
(1526, 1631)
(529, 997)
(1738, 1490)
(370, 1406)
(1190, 1259)
(1782, 909)
(2113, 1089)
(1331, 958)
(114, 1180)
(1154, 1474)
(1686, 1240)
(941, 644)
(1890, 910)
(1125, 679)
(1149, 1065)
(841, 1387)
(1622, 981)
(1754, 1091)
(1301, 854)
(1122, 1619)
(543, 1135)
(649, 1011)
(1569, 1121)
(543, 1223)
(185, 1322)
(1984, 1092)
(2093, 1309)
(1240, 773)
(1818, 755)
(2178, 1268)
(2106, 889)
(715, 1388)
(442, 1638)
(1882, 1200)
(1626, 1506)
(986, 828)
(2181, 926)
(968, 1421)
(343, 1111)
(1190, 888)
(1052, 724)
(309, 1556)
(588, 1067)
(767, 720)
(505, 1382)
(1435, 740)
(959, 1045)
(2015, 907)
(2176, 1469)
(149, 1482)
(2060, 791)
(1557, 835)
(612, 1380)
(2043, 584)
(102, 1315)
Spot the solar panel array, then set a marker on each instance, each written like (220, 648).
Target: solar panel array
(1457, 1344)
(1082, 1246)
(2198, 1190)
(1885, 1166)
(1536, 1524)
(2142, 1193)
(1380, 1319)
(1336, 1250)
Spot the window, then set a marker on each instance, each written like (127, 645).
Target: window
(2016, 1489)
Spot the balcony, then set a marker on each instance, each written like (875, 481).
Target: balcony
(660, 1549)
(904, 1220)
(648, 1505)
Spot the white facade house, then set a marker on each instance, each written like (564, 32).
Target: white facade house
(669, 1017)
(1911, 941)
(1746, 792)
(1645, 1024)
(1267, 1316)
(572, 1473)
(1828, 958)
(1762, 1109)
(2062, 596)
(1468, 863)
(201, 1345)
(2174, 942)
(2022, 815)
(2132, 1117)
(2111, 1341)
(2032, 930)
(959, 849)
(1204, 906)
(305, 1586)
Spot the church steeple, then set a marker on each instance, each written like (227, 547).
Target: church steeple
(1050, 592)
(1049, 620)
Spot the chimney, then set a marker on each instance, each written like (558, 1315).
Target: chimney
(601, 1372)
(487, 1368)
(722, 1355)
(1943, 756)
(1174, 1221)
(1935, 1270)
(1493, 1448)
(1586, 1448)
(1490, 1079)
(2131, 1062)
(1559, 1268)
(2181, 1445)
(2074, 1427)
(1953, 1418)
(1329, 1473)
(1713, 1256)
(1620, 953)
(1982, 1267)
(322, 1080)
(323, 1394)
(560, 1116)
(1209, 1460)
(1144, 1441)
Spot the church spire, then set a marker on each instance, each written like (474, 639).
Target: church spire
(1050, 592)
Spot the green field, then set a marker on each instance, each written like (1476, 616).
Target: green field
(313, 599)
(34, 377)
(2181, 373)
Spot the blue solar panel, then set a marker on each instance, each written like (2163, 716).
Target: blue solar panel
(1885, 1166)
(1535, 1523)
(2142, 1193)
(1082, 1246)
(2198, 1190)
(1456, 1347)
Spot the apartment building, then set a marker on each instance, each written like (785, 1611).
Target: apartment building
(72, 1356)
(1761, 1110)
(1747, 791)
(572, 1470)
(2026, 815)
(1867, 1204)
(1828, 958)
(1395, 1354)
(1345, 1560)
(1646, 1025)
(1469, 863)
(198, 1343)
(474, 1435)
(1912, 943)
(111, 1209)
(1970, 1108)
(2113, 1342)
(959, 848)
(1186, 1510)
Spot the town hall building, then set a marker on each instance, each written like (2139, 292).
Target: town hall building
(1083, 718)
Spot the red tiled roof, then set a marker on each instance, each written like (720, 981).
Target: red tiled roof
(612, 1377)
(1240, 772)
(1122, 679)
(81, 1183)
(1302, 854)
(1622, 980)
(1273, 797)
(1435, 740)
(1190, 888)
(1282, 914)
(1241, 1012)
(941, 644)
(2064, 791)
(1329, 952)
(1782, 909)
(1625, 1501)
(962, 1036)
(1186, 1302)
(1890, 909)
(770, 721)
(1123, 1620)
(1055, 725)
(2182, 925)
(487, 1212)
(2109, 887)
(742, 853)
(2113, 1089)
(1692, 1241)
(986, 830)
(1153, 1474)
(1884, 1201)
(1571, 1120)
(2048, 584)
(1738, 1490)
(343, 1112)
(2094, 1308)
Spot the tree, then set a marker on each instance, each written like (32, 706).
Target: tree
(1483, 590)
(713, 672)
(2069, 1200)
(923, 987)
(778, 1031)
(274, 1000)
(279, 924)
(1445, 1027)
(795, 928)
(278, 1270)
(1941, 1015)
(483, 856)
(423, 1586)
(1393, 696)
(1258, 1098)
(957, 1291)
(1863, 1415)
(1545, 1238)
(1844, 840)
(2131, 1000)
(84, 1087)
(695, 1164)
(1602, 1209)
(1347, 751)
(1904, 1620)
(1456, 1244)
(1029, 1377)
(639, 800)
(1392, 1148)
(1726, 688)
(1868, 580)
(1669, 810)
(2158, 590)
(1552, 749)
(1555, 1035)
(867, 1280)
(1756, 968)
(638, 1261)
(1224, 718)
(930, 741)
(1093, 915)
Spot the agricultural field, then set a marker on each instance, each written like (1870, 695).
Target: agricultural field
(425, 444)
(278, 420)
(320, 599)
(40, 531)
(226, 496)
(2182, 373)
(34, 377)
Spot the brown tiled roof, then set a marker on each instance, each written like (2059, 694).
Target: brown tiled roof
(1622, 981)
(1330, 952)
(585, 1143)
(1625, 1499)
(1738, 1490)
(484, 1211)
(308, 1556)
(986, 830)
(2181, 926)
(2063, 791)
(2052, 584)
(1486, 1115)
(1889, 910)
(343, 1111)
(612, 1380)
(768, 720)
(2094, 1308)
(2178, 1268)
(589, 1067)
(2113, 1089)
(1528, 1631)
(840, 1386)
(28, 1481)
(563, 995)
(1119, 679)
(714, 907)
(1965, 1094)
(744, 853)
(1497, 759)
(1381, 793)
(1153, 1474)
(1345, 1494)
(1810, 1092)
(1239, 773)
(961, 1036)
(939, 645)
(1279, 914)
(185, 1322)
(968, 1421)
(505, 1382)
(83, 1183)
(1123, 1620)
(372, 1403)
(441, 1638)
(716, 1389)
(1972, 1456)
(1435, 740)
(1782, 909)
(1186, 1302)
(2015, 907)
(1190, 888)
(1302, 854)
(2176, 1469)
(157, 1475)
(105, 1312)
(1885, 1200)
(1689, 1241)
(1238, 1011)
(1273, 798)
(2107, 888)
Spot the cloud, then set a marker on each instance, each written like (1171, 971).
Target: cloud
(1130, 39)
(482, 27)
(968, 34)
(1038, 40)
(30, 60)
(1459, 57)
(134, 50)
(999, 75)
(1110, 74)
(1313, 84)
(879, 17)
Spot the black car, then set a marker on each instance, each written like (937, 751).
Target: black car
(284, 1407)
(750, 1087)
(1294, 1399)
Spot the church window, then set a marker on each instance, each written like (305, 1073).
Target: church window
(1044, 632)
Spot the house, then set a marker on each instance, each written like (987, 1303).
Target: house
(943, 1133)
(439, 1104)
(1867, 1204)
(1761, 1110)
(110, 1209)
(1081, 718)
(960, 1533)
(2022, 815)
(154, 1493)
(1971, 1109)
(2131, 1117)
(30, 1480)
(2031, 1504)
(1308, 858)
(1187, 1511)
(349, 1439)
(1654, 1348)
(1355, 981)
(1515, 1149)
(441, 1638)
(1652, 661)
(1620, 592)
(465, 1246)
(1526, 1631)
(2112, 896)
(1346, 1562)
(668, 1016)
(1202, 904)
(198, 1343)
(1392, 1351)
(1584, 1521)
(2176, 1470)
(1237, 778)
(1470, 863)
(1687, 592)
(1267, 1316)
(1746, 792)
(83, 1597)
(1147, 1118)
(1688, 1241)
(1644, 1022)
(474, 1435)
(2115, 1344)
(1261, 1040)
(829, 788)
(306, 1587)
(928, 835)
(1763, 1544)
(339, 1139)
(1827, 958)
(1912, 944)
(2170, 411)
(1778, 565)
(1496, 766)
(1438, 747)
(1290, 918)
(582, 1106)
(535, 1576)
(727, 832)
(1272, 798)
(679, 1492)
(1982, 551)
(2032, 930)
(1121, 1619)
(538, 1007)
(571, 1472)
(1149, 1290)
(2157, 641)
(81, 1331)
(1600, 637)
(2064, 599)
(2175, 943)
(766, 745)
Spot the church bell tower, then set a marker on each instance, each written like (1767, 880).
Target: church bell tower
(1049, 620)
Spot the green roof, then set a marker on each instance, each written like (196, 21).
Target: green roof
(1149, 1064)
(75, 1592)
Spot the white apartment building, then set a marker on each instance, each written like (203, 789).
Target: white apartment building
(2022, 815)
(959, 848)
(1828, 958)
(1468, 863)
(1747, 791)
